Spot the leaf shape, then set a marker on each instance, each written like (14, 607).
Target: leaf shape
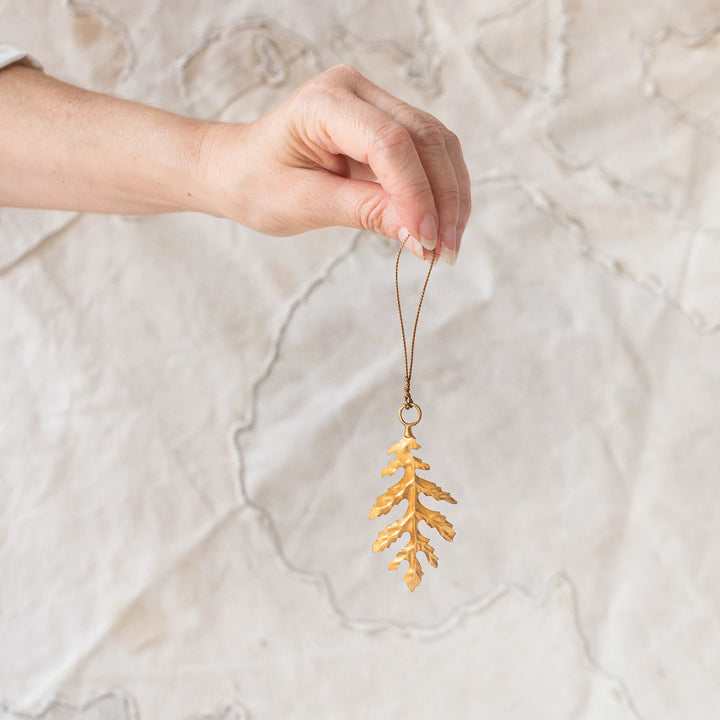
(391, 467)
(404, 554)
(424, 546)
(414, 575)
(435, 491)
(409, 488)
(396, 494)
(436, 520)
(391, 533)
(405, 444)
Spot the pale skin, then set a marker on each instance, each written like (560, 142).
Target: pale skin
(338, 151)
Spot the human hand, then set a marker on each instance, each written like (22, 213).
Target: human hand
(340, 151)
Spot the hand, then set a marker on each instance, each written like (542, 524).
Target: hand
(340, 151)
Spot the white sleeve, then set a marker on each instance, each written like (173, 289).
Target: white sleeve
(10, 55)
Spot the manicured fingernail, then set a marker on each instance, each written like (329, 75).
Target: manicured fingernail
(410, 242)
(448, 237)
(428, 232)
(415, 247)
(448, 248)
(458, 239)
(448, 255)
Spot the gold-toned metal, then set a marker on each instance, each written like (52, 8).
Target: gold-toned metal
(410, 486)
(407, 424)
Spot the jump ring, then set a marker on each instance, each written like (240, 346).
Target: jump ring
(404, 421)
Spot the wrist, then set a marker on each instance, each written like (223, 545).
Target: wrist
(185, 169)
(218, 158)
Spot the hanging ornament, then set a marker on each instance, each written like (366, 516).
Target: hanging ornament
(411, 486)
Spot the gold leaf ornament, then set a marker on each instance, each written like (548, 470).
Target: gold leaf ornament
(410, 487)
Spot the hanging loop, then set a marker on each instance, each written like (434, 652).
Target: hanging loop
(409, 360)
(408, 425)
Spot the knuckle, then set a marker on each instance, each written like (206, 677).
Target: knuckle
(307, 96)
(331, 82)
(343, 72)
(429, 134)
(451, 196)
(454, 148)
(370, 214)
(452, 140)
(417, 192)
(317, 99)
(391, 135)
(320, 85)
(402, 110)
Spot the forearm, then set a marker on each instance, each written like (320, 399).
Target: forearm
(338, 150)
(66, 148)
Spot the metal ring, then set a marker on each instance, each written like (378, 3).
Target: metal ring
(405, 422)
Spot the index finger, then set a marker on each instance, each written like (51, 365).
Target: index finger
(369, 135)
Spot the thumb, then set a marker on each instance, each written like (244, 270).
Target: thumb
(360, 204)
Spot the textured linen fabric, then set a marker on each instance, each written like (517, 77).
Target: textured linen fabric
(194, 417)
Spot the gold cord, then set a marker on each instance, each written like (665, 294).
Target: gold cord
(409, 366)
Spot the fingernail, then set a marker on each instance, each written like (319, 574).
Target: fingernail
(415, 247)
(410, 242)
(428, 232)
(448, 249)
(458, 239)
(448, 255)
(448, 237)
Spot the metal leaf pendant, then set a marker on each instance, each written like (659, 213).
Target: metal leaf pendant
(410, 487)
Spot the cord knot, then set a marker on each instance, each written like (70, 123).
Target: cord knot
(408, 397)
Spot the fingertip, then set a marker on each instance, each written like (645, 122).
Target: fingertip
(416, 248)
(458, 238)
(411, 243)
(449, 250)
(429, 232)
(422, 252)
(448, 237)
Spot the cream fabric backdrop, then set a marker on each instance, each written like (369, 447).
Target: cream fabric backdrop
(193, 417)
